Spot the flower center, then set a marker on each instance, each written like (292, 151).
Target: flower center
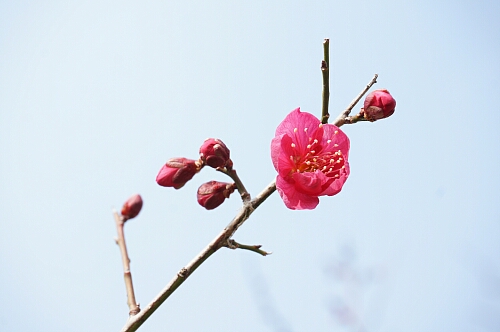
(327, 159)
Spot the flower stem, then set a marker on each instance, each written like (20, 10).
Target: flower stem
(127, 275)
(354, 118)
(219, 241)
(343, 117)
(229, 171)
(325, 71)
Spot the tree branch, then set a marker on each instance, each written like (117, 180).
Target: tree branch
(229, 171)
(325, 71)
(343, 117)
(127, 275)
(221, 240)
(232, 244)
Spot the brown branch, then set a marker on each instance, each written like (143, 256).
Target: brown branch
(325, 71)
(127, 275)
(221, 240)
(229, 171)
(343, 118)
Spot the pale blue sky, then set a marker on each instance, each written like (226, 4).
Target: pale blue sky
(95, 96)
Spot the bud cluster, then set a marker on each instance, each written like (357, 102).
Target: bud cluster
(178, 171)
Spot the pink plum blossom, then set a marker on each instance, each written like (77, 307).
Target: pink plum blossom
(379, 104)
(310, 158)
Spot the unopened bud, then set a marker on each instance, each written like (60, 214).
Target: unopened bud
(214, 153)
(213, 193)
(378, 104)
(132, 207)
(177, 171)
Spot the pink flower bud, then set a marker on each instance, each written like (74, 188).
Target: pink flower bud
(214, 153)
(177, 171)
(379, 104)
(213, 193)
(132, 207)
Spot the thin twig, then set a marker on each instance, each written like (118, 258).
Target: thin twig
(229, 171)
(232, 244)
(341, 119)
(127, 275)
(325, 71)
(136, 321)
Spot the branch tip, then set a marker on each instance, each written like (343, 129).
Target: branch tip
(232, 244)
(325, 71)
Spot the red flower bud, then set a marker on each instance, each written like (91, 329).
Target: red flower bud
(214, 153)
(132, 207)
(379, 104)
(177, 171)
(213, 193)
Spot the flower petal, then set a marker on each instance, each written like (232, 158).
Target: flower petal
(293, 199)
(276, 150)
(310, 183)
(285, 164)
(296, 125)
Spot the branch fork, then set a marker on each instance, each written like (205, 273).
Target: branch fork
(232, 244)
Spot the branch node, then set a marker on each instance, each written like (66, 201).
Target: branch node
(135, 310)
(183, 273)
(229, 171)
(231, 244)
